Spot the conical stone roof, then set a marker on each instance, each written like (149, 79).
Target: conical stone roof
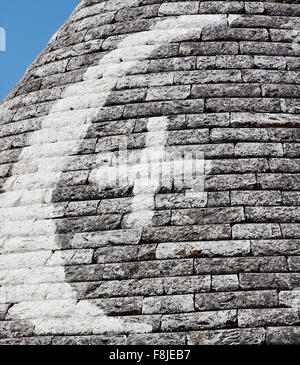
(205, 96)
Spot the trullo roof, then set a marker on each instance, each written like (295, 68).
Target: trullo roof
(150, 176)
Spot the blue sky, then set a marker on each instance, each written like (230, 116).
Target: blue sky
(29, 25)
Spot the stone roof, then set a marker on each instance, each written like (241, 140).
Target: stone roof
(206, 252)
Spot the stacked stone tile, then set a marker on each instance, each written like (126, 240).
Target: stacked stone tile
(79, 262)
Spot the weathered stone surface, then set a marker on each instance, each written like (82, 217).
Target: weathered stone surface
(88, 340)
(207, 215)
(290, 230)
(230, 182)
(251, 336)
(294, 263)
(168, 304)
(291, 198)
(199, 100)
(281, 281)
(102, 238)
(87, 224)
(235, 166)
(15, 329)
(187, 284)
(27, 341)
(208, 48)
(202, 249)
(272, 214)
(275, 247)
(230, 300)
(290, 298)
(254, 198)
(243, 105)
(232, 265)
(225, 283)
(256, 230)
(215, 7)
(119, 288)
(84, 272)
(71, 257)
(278, 181)
(148, 269)
(197, 321)
(157, 338)
(125, 253)
(143, 287)
(283, 335)
(258, 149)
(192, 200)
(217, 199)
(186, 233)
(76, 209)
(116, 306)
(3, 311)
(267, 317)
(224, 90)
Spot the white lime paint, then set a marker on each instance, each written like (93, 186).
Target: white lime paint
(24, 278)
